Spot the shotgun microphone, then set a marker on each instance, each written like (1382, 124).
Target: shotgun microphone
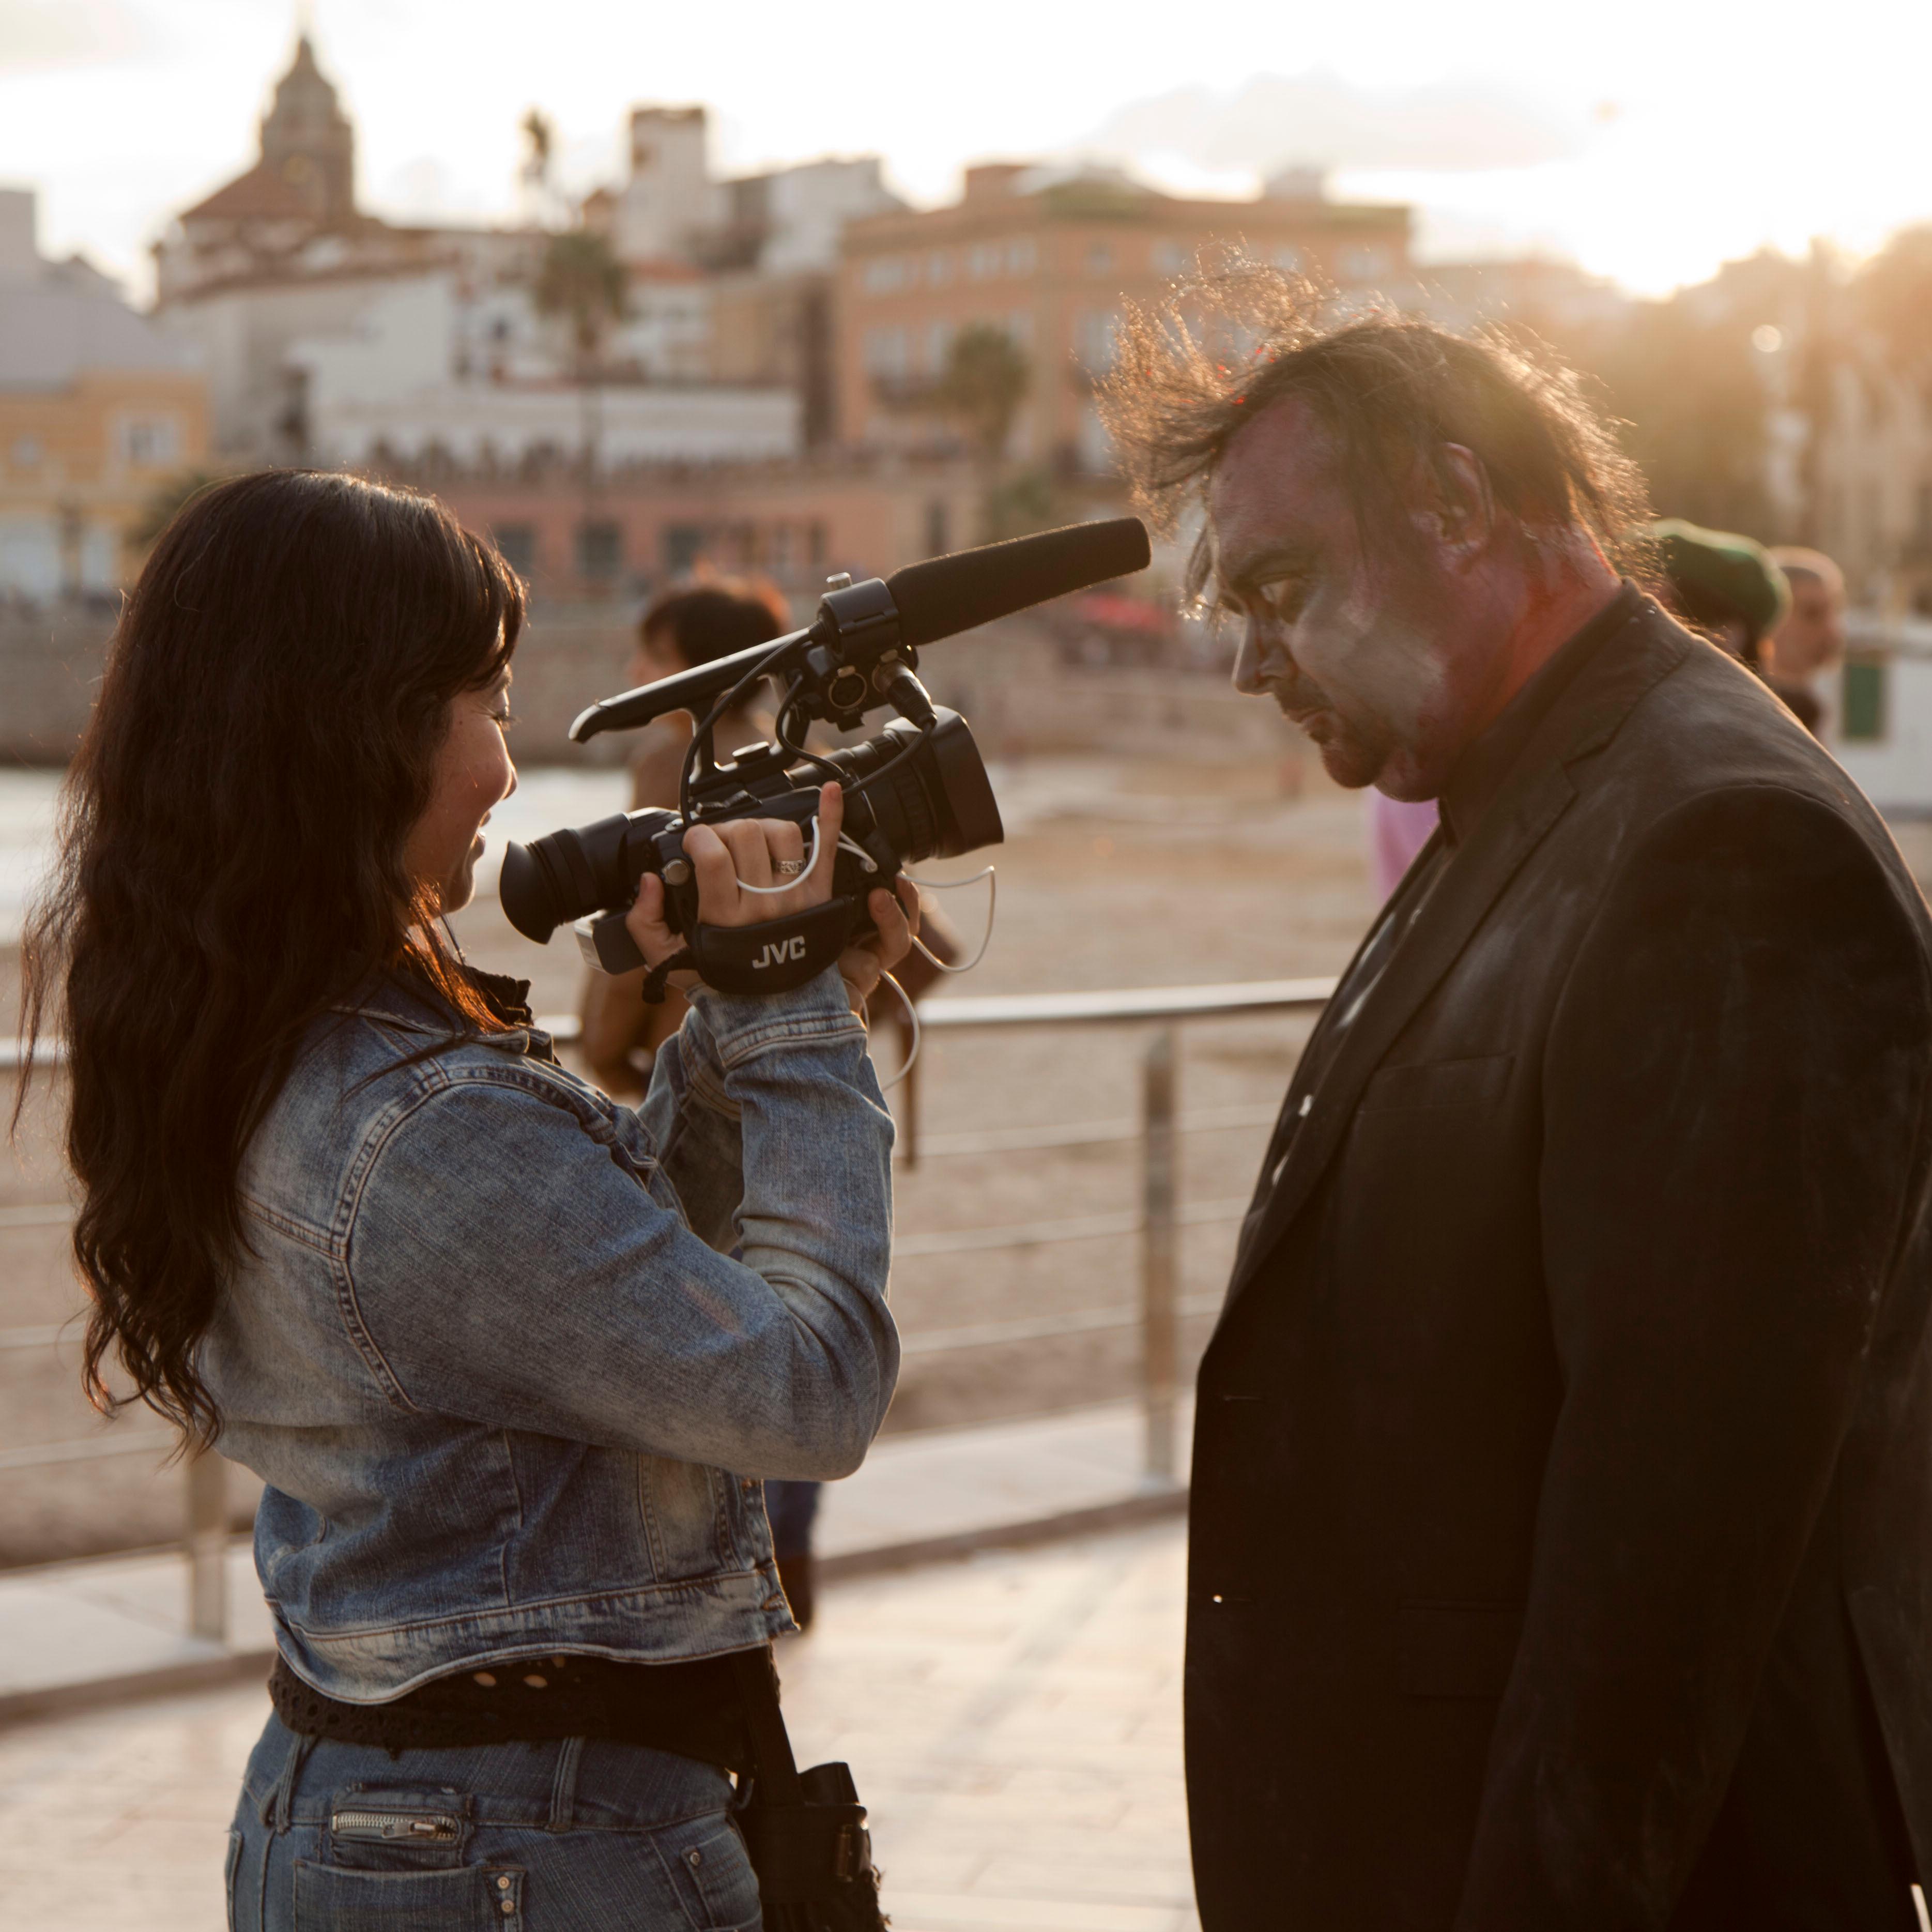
(858, 624)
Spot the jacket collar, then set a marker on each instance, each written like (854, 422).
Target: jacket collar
(1632, 659)
(400, 1001)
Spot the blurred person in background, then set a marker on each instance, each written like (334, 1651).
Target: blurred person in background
(1729, 588)
(1811, 640)
(1561, 1522)
(1399, 828)
(694, 625)
(697, 624)
(474, 1324)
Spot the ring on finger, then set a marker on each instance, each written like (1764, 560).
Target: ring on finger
(788, 868)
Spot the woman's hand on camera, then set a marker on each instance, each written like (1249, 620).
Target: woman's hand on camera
(864, 963)
(749, 852)
(746, 851)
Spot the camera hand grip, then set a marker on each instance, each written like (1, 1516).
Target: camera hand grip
(778, 954)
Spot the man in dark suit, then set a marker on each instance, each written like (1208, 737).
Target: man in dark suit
(1562, 1527)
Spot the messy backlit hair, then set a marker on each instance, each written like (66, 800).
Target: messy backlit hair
(1391, 390)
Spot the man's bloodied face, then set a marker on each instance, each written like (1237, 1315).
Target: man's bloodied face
(1376, 651)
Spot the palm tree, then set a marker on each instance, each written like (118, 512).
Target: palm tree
(985, 381)
(539, 135)
(583, 280)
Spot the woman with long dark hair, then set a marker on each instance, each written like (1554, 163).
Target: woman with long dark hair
(473, 1323)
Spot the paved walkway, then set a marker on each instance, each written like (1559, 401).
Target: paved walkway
(1013, 1721)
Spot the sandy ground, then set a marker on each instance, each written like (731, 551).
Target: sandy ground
(1115, 874)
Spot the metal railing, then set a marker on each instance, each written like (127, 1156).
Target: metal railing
(1161, 1215)
(1158, 1220)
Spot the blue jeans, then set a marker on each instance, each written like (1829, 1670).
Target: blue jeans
(791, 1508)
(579, 1836)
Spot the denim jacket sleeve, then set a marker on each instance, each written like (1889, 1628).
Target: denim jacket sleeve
(507, 1262)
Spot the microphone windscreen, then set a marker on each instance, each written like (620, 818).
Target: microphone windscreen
(948, 594)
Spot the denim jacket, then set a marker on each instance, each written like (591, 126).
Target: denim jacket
(508, 1393)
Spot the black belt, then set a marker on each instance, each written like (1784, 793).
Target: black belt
(690, 1709)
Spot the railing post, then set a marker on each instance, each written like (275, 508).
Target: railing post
(1160, 1230)
(207, 1543)
(909, 1104)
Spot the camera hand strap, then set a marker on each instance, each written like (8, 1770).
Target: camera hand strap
(772, 957)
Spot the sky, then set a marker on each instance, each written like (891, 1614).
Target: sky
(1649, 142)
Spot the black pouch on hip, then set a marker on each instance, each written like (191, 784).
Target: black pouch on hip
(805, 1831)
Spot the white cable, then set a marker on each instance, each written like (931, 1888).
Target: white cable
(793, 884)
(847, 843)
(918, 1032)
(953, 886)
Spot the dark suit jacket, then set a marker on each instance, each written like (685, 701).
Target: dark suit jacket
(1561, 1528)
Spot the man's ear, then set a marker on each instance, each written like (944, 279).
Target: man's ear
(1458, 508)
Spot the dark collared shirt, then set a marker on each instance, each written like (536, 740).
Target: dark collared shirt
(1480, 775)
(1486, 764)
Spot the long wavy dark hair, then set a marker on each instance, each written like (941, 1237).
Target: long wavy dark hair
(231, 866)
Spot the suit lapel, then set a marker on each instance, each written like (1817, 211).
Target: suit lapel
(1581, 723)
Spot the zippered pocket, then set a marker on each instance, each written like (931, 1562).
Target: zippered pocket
(413, 1828)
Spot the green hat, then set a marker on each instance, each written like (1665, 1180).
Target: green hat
(1718, 574)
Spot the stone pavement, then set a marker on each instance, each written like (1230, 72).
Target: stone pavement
(1013, 1721)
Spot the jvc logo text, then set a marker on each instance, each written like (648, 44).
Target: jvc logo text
(777, 951)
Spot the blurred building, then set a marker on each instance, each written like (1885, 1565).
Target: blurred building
(332, 336)
(619, 536)
(1047, 256)
(97, 408)
(739, 272)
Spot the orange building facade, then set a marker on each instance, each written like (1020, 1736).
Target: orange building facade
(78, 465)
(1049, 263)
(632, 533)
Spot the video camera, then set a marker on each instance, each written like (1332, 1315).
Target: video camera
(918, 790)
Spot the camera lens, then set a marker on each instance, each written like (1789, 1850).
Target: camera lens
(565, 874)
(939, 802)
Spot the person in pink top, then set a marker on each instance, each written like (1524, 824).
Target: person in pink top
(1399, 828)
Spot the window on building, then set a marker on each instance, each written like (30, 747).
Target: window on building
(1289, 259)
(30, 555)
(25, 452)
(1363, 264)
(938, 528)
(982, 261)
(517, 543)
(1019, 328)
(1170, 258)
(938, 345)
(815, 537)
(683, 545)
(151, 442)
(1094, 340)
(1925, 513)
(1021, 256)
(1100, 258)
(939, 268)
(886, 352)
(600, 551)
(885, 275)
(1862, 700)
(1095, 448)
(99, 561)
